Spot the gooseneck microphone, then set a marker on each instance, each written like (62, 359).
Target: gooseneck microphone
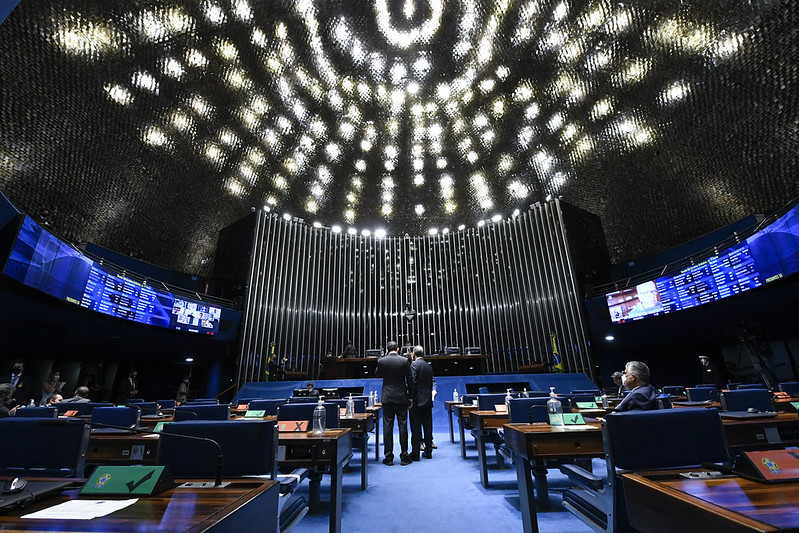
(73, 421)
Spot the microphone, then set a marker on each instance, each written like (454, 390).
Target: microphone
(72, 421)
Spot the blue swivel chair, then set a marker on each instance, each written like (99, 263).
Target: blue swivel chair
(42, 448)
(302, 399)
(521, 409)
(202, 412)
(752, 386)
(702, 394)
(37, 412)
(248, 448)
(732, 385)
(706, 385)
(674, 390)
(147, 408)
(166, 405)
(663, 401)
(642, 440)
(790, 387)
(743, 399)
(269, 406)
(128, 417)
(487, 402)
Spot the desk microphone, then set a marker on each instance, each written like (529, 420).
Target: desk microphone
(73, 421)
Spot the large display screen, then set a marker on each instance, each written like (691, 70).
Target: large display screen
(41, 260)
(769, 254)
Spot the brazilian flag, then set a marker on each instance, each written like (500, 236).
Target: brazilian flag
(555, 355)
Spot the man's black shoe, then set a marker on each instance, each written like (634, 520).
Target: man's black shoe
(405, 460)
(388, 461)
(415, 458)
(427, 455)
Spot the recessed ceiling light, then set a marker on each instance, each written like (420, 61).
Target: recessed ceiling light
(286, 216)
(336, 229)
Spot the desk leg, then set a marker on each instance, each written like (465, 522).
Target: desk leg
(463, 438)
(481, 456)
(541, 485)
(364, 462)
(377, 436)
(314, 480)
(335, 497)
(451, 429)
(526, 501)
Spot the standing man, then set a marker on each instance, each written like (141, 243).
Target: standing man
(129, 388)
(422, 408)
(642, 395)
(396, 373)
(18, 381)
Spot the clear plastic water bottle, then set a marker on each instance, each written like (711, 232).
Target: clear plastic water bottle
(371, 400)
(350, 412)
(32, 404)
(455, 397)
(525, 394)
(507, 401)
(604, 401)
(555, 409)
(319, 417)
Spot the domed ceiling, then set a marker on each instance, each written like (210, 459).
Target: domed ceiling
(146, 126)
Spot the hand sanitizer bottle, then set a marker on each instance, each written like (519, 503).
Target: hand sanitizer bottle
(319, 416)
(350, 412)
(555, 409)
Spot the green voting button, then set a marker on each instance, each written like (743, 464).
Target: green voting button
(571, 419)
(255, 414)
(587, 405)
(128, 481)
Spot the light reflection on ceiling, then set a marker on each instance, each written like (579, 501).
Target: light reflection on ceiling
(403, 116)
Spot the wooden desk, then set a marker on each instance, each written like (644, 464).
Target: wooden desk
(532, 445)
(321, 455)
(664, 502)
(762, 433)
(360, 425)
(486, 423)
(122, 449)
(244, 505)
(462, 412)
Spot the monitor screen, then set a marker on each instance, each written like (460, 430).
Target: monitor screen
(769, 254)
(41, 260)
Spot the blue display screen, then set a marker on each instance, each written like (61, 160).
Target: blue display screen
(768, 255)
(43, 261)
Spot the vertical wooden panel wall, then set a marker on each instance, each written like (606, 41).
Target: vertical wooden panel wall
(505, 287)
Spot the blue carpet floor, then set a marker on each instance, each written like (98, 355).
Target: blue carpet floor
(442, 494)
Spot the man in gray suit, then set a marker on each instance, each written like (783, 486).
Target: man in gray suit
(396, 373)
(422, 409)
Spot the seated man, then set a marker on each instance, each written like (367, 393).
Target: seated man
(7, 399)
(53, 399)
(311, 390)
(642, 396)
(81, 395)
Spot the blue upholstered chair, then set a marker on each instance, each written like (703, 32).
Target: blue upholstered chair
(128, 417)
(732, 385)
(521, 409)
(745, 386)
(483, 390)
(487, 402)
(134, 400)
(304, 411)
(674, 390)
(146, 408)
(706, 386)
(642, 440)
(202, 412)
(203, 401)
(166, 405)
(42, 448)
(269, 406)
(790, 387)
(302, 399)
(743, 399)
(83, 409)
(248, 448)
(702, 394)
(37, 412)
(592, 392)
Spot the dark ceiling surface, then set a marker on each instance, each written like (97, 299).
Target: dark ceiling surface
(146, 126)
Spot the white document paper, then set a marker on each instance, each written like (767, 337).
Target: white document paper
(81, 509)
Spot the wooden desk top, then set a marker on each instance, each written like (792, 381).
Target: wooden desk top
(665, 502)
(463, 410)
(178, 509)
(542, 441)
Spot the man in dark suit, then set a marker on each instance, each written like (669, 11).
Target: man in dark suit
(396, 373)
(422, 408)
(642, 396)
(19, 381)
